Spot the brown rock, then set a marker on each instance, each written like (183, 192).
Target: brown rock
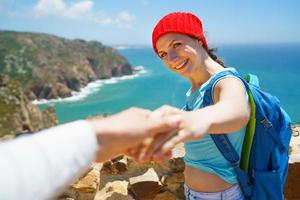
(295, 146)
(61, 91)
(293, 179)
(176, 164)
(117, 165)
(89, 183)
(118, 186)
(86, 187)
(106, 168)
(116, 190)
(293, 182)
(145, 186)
(17, 114)
(7, 137)
(120, 164)
(174, 183)
(174, 178)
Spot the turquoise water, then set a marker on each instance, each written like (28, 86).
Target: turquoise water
(278, 67)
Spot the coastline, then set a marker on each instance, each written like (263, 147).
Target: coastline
(93, 87)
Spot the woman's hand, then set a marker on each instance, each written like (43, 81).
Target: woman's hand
(191, 126)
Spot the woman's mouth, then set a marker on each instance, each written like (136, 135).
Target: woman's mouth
(181, 65)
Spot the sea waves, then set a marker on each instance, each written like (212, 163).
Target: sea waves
(94, 86)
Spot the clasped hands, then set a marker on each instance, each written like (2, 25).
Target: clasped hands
(146, 135)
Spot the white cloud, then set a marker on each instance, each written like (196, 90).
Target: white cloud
(81, 10)
(125, 19)
(49, 7)
(102, 20)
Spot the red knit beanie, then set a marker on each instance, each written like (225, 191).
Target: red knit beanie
(178, 22)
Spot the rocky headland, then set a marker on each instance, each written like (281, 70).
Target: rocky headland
(50, 67)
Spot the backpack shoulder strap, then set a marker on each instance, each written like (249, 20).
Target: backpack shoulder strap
(252, 79)
(250, 130)
(208, 98)
(221, 140)
(229, 153)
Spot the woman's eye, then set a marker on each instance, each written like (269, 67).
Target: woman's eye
(164, 54)
(177, 44)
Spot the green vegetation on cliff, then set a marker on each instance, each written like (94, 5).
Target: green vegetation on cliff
(51, 67)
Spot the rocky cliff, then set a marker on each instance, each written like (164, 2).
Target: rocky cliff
(17, 114)
(51, 67)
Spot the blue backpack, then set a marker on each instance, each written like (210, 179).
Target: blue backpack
(263, 167)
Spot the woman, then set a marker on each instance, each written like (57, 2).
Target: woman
(179, 41)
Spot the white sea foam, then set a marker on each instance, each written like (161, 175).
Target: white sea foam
(94, 87)
(121, 47)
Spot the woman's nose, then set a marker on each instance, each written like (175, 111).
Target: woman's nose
(172, 56)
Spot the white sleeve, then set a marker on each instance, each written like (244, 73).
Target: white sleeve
(39, 166)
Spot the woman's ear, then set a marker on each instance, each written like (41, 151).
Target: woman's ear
(200, 43)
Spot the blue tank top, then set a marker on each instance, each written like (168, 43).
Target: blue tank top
(203, 153)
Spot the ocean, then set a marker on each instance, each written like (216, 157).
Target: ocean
(276, 65)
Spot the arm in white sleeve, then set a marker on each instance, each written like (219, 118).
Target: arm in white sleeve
(39, 166)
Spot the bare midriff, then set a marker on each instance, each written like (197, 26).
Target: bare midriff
(201, 181)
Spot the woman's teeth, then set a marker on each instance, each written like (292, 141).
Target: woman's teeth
(181, 65)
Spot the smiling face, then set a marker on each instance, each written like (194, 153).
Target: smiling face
(180, 53)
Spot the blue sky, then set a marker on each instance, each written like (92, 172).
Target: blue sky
(131, 21)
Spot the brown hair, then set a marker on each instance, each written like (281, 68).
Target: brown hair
(212, 54)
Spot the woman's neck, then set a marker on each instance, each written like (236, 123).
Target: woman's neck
(205, 70)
